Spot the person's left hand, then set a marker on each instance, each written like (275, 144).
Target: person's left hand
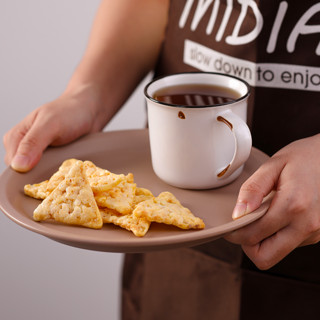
(293, 218)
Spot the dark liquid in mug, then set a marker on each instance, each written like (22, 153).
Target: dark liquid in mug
(196, 95)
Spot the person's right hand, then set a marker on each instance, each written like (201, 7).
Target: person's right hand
(59, 122)
(111, 68)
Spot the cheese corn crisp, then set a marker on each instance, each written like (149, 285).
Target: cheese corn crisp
(80, 193)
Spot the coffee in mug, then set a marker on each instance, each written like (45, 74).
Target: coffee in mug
(196, 95)
(198, 134)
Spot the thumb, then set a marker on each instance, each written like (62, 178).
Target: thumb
(259, 185)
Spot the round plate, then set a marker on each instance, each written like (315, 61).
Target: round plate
(124, 152)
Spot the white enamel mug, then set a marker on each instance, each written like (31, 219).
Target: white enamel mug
(198, 147)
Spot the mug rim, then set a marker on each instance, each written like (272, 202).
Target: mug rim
(198, 106)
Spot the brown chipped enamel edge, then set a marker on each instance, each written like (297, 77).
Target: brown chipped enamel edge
(228, 123)
(221, 174)
(181, 115)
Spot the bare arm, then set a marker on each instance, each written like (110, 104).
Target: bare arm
(123, 46)
(122, 49)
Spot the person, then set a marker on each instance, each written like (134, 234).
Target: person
(275, 47)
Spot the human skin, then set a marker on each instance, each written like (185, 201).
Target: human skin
(122, 49)
(293, 218)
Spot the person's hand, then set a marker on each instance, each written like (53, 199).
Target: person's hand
(293, 218)
(56, 123)
(111, 68)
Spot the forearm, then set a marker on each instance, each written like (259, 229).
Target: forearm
(123, 47)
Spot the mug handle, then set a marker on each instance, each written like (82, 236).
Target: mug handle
(242, 139)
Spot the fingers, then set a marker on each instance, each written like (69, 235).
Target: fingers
(271, 238)
(26, 142)
(11, 141)
(260, 239)
(12, 138)
(29, 151)
(259, 185)
(270, 243)
(58, 122)
(291, 221)
(272, 250)
(293, 218)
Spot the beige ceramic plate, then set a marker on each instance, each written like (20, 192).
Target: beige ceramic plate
(123, 152)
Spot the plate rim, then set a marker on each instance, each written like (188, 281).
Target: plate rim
(193, 237)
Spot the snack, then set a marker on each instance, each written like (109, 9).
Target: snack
(43, 189)
(100, 179)
(139, 226)
(119, 198)
(142, 194)
(72, 201)
(167, 209)
(80, 193)
(37, 190)
(60, 174)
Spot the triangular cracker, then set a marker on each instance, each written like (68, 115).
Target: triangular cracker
(139, 226)
(100, 179)
(167, 209)
(43, 189)
(119, 198)
(37, 190)
(60, 175)
(141, 194)
(72, 201)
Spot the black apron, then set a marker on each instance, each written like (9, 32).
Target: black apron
(272, 45)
